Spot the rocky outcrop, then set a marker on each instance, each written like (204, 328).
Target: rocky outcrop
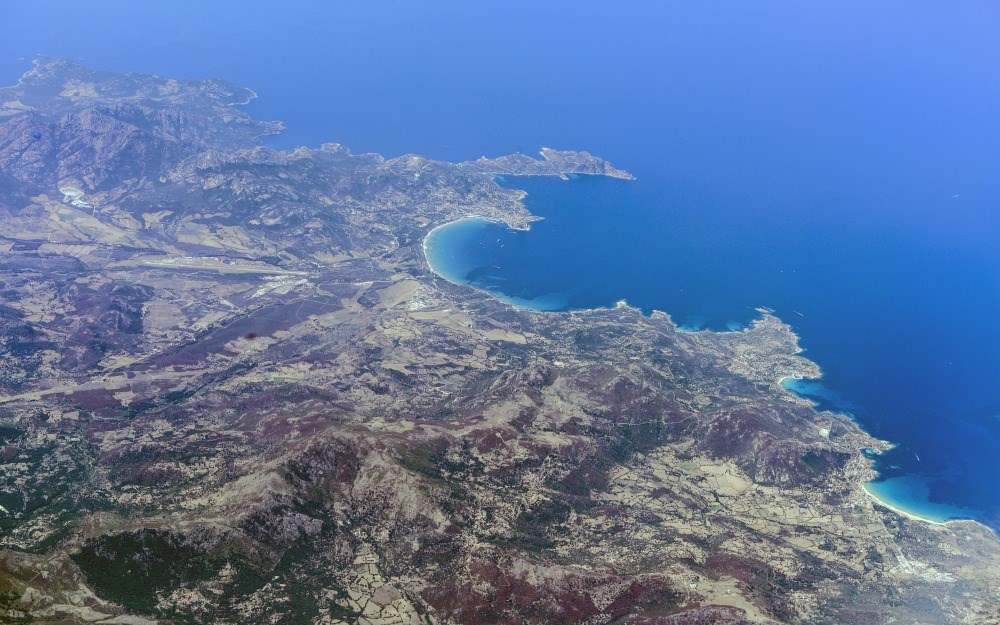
(555, 163)
(232, 391)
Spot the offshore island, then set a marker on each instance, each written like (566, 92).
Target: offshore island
(232, 390)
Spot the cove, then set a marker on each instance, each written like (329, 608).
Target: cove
(904, 331)
(837, 162)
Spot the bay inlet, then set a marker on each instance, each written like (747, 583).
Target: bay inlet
(602, 241)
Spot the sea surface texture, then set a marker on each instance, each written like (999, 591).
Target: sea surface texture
(838, 163)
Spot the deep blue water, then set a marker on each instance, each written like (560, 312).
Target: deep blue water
(838, 162)
(906, 332)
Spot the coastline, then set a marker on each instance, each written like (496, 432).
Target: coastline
(515, 302)
(880, 499)
(895, 507)
(905, 513)
(936, 514)
(667, 468)
(430, 233)
(519, 304)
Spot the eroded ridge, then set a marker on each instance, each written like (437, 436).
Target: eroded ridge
(231, 391)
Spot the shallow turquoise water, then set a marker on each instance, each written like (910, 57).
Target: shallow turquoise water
(913, 492)
(905, 331)
(838, 162)
(460, 250)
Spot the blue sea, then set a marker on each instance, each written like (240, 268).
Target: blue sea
(837, 162)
